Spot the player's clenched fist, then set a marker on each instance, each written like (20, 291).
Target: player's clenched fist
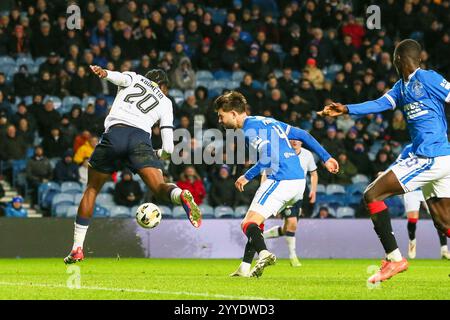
(334, 109)
(99, 71)
(332, 165)
(240, 183)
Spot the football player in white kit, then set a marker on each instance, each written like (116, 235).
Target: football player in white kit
(413, 200)
(292, 214)
(139, 104)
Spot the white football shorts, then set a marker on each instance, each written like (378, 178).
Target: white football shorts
(412, 200)
(273, 196)
(430, 174)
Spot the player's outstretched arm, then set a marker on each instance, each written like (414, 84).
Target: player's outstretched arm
(118, 78)
(336, 109)
(308, 140)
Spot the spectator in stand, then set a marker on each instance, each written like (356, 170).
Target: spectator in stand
(331, 143)
(46, 118)
(190, 180)
(184, 76)
(68, 130)
(81, 139)
(222, 192)
(127, 192)
(22, 82)
(66, 169)
(85, 150)
(324, 213)
(15, 208)
(397, 129)
(360, 157)
(55, 145)
(90, 121)
(347, 170)
(381, 163)
(42, 43)
(24, 131)
(39, 170)
(13, 146)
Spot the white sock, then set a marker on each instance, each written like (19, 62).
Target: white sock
(175, 195)
(413, 241)
(263, 253)
(273, 232)
(444, 249)
(394, 256)
(79, 234)
(291, 247)
(245, 267)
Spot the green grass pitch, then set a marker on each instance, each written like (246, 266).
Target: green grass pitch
(102, 278)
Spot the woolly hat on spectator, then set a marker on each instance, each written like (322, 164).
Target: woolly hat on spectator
(226, 167)
(311, 62)
(17, 199)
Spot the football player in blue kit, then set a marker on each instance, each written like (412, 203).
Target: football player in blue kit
(285, 181)
(421, 96)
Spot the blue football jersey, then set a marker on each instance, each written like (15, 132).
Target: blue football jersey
(422, 100)
(281, 161)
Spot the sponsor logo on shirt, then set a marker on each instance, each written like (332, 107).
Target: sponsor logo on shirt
(414, 110)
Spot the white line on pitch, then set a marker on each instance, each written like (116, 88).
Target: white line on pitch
(147, 291)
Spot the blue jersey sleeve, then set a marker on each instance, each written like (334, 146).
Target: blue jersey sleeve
(308, 140)
(437, 85)
(262, 146)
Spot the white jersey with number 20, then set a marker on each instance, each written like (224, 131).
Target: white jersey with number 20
(139, 103)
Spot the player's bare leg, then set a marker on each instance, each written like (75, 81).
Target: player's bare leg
(96, 180)
(154, 179)
(440, 212)
(413, 217)
(383, 187)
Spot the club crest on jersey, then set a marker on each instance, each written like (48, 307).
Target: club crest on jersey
(417, 89)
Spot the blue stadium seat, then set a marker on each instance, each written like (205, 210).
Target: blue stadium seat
(61, 210)
(105, 199)
(356, 188)
(218, 15)
(207, 211)
(69, 101)
(212, 93)
(360, 178)
(4, 60)
(88, 100)
(56, 101)
(101, 212)
(120, 212)
(202, 83)
(345, 212)
(321, 189)
(108, 187)
(188, 93)
(27, 100)
(240, 211)
(175, 93)
(43, 187)
(62, 198)
(72, 212)
(178, 212)
(28, 61)
(353, 199)
(223, 212)
(217, 84)
(233, 85)
(222, 75)
(238, 76)
(204, 75)
(166, 212)
(257, 85)
(335, 188)
(71, 187)
(77, 198)
(40, 60)
(337, 199)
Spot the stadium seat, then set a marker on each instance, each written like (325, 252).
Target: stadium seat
(27, 100)
(240, 211)
(88, 100)
(222, 75)
(223, 212)
(105, 199)
(62, 198)
(28, 61)
(321, 189)
(4, 60)
(120, 212)
(331, 210)
(356, 188)
(69, 101)
(257, 85)
(108, 187)
(353, 199)
(77, 198)
(233, 85)
(217, 84)
(359, 178)
(189, 93)
(43, 187)
(56, 101)
(178, 212)
(207, 211)
(72, 212)
(71, 187)
(165, 210)
(238, 76)
(101, 212)
(204, 75)
(345, 212)
(40, 60)
(337, 199)
(202, 83)
(335, 188)
(61, 210)
(175, 93)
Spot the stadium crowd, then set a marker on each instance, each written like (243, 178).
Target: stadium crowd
(289, 58)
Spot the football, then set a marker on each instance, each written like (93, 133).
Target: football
(148, 215)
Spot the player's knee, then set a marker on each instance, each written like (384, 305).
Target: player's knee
(369, 196)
